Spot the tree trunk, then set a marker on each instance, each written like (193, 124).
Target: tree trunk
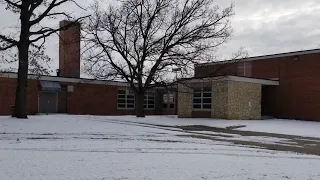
(139, 105)
(20, 108)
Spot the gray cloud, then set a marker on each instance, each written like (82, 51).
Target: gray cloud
(262, 27)
(267, 27)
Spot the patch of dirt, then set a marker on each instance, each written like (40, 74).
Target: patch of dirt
(293, 143)
(236, 127)
(39, 138)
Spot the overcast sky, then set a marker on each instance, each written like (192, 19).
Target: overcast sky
(260, 26)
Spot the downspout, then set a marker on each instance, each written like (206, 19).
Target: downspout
(66, 100)
(244, 66)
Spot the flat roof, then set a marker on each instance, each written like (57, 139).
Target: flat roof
(265, 57)
(65, 79)
(237, 79)
(254, 80)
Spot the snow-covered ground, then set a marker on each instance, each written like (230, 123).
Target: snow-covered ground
(120, 148)
(281, 126)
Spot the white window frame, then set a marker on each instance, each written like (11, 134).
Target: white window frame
(128, 92)
(201, 98)
(149, 97)
(168, 99)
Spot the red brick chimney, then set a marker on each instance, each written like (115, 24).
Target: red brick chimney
(69, 50)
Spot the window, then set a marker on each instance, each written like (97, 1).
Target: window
(149, 100)
(168, 100)
(125, 99)
(202, 98)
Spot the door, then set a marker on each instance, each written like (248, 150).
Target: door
(48, 102)
(268, 101)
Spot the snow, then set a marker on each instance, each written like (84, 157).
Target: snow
(118, 166)
(120, 148)
(157, 166)
(262, 139)
(280, 126)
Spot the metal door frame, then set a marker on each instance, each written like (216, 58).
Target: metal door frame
(57, 101)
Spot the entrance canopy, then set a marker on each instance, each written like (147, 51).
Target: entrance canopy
(226, 97)
(50, 86)
(235, 79)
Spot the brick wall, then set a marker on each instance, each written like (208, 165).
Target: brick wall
(230, 100)
(69, 50)
(93, 99)
(297, 96)
(32, 101)
(265, 69)
(216, 70)
(299, 91)
(201, 114)
(185, 97)
(244, 100)
(220, 99)
(7, 96)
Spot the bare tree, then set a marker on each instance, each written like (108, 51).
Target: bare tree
(31, 13)
(39, 61)
(142, 41)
